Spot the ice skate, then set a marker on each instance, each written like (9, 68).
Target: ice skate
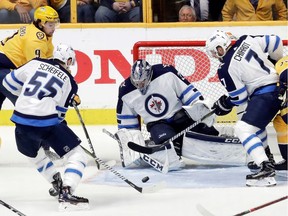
(68, 202)
(254, 167)
(56, 185)
(263, 178)
(281, 165)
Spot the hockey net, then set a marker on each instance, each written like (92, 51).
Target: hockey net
(192, 61)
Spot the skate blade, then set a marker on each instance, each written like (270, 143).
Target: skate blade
(66, 206)
(264, 182)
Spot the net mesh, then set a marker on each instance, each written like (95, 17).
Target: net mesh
(192, 61)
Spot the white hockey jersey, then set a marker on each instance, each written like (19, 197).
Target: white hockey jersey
(167, 92)
(44, 89)
(246, 67)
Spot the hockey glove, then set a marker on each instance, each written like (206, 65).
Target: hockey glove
(76, 100)
(222, 106)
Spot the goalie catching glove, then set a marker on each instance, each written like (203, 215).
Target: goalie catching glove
(198, 110)
(222, 106)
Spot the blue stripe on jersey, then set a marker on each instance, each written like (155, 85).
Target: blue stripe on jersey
(61, 109)
(277, 42)
(237, 92)
(119, 116)
(134, 126)
(15, 79)
(75, 171)
(10, 85)
(197, 95)
(190, 87)
(267, 43)
(34, 122)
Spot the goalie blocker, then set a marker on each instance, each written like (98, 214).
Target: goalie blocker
(205, 149)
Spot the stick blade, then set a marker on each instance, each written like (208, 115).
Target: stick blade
(203, 210)
(154, 188)
(139, 148)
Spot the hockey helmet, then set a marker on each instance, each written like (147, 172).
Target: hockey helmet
(141, 74)
(218, 39)
(46, 14)
(64, 52)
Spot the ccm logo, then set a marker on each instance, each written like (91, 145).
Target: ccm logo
(152, 162)
(235, 140)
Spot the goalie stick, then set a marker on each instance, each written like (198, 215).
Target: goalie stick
(163, 168)
(205, 212)
(148, 189)
(11, 208)
(166, 144)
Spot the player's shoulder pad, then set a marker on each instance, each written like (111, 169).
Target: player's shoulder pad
(35, 32)
(56, 64)
(161, 69)
(125, 87)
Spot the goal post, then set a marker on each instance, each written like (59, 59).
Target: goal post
(192, 61)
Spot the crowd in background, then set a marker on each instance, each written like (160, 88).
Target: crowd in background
(109, 11)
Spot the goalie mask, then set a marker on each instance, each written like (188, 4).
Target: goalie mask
(219, 39)
(64, 53)
(141, 74)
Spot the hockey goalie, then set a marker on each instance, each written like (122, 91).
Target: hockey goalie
(168, 104)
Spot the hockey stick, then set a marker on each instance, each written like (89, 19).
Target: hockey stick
(166, 144)
(11, 208)
(163, 168)
(118, 141)
(148, 189)
(205, 212)
(261, 206)
(85, 131)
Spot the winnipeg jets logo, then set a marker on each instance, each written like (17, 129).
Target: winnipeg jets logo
(156, 105)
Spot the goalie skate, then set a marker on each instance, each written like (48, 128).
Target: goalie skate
(69, 202)
(263, 178)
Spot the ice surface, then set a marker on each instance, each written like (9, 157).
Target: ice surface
(220, 189)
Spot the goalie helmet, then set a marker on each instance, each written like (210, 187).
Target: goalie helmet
(46, 14)
(64, 52)
(141, 74)
(218, 39)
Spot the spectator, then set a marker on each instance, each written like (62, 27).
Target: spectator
(255, 10)
(187, 14)
(118, 11)
(201, 8)
(16, 11)
(215, 8)
(85, 10)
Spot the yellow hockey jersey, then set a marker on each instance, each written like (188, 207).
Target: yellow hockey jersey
(25, 44)
(27, 4)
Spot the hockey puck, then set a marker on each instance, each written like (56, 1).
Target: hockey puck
(145, 179)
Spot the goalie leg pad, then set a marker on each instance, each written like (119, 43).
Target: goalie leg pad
(213, 149)
(129, 157)
(168, 158)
